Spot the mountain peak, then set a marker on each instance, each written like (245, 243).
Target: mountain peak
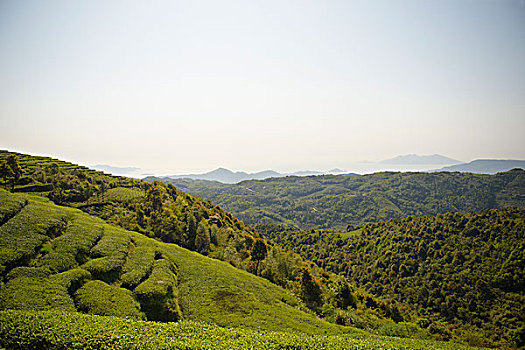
(414, 159)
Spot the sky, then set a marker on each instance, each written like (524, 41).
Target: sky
(189, 86)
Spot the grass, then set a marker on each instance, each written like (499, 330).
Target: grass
(214, 291)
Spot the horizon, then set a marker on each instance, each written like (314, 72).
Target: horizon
(188, 87)
(359, 167)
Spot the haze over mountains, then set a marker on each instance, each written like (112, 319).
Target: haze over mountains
(408, 162)
(227, 176)
(433, 159)
(486, 166)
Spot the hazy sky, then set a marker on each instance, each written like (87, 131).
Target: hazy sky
(183, 86)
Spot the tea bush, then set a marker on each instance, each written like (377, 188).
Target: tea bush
(99, 298)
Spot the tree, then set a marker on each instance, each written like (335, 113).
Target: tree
(52, 170)
(16, 171)
(191, 229)
(7, 174)
(259, 253)
(202, 238)
(101, 189)
(310, 289)
(154, 195)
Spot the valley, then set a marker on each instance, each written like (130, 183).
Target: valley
(93, 246)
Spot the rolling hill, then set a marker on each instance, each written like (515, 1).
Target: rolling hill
(467, 270)
(57, 261)
(414, 159)
(335, 201)
(57, 258)
(486, 166)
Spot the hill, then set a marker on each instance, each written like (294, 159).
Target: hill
(486, 166)
(52, 330)
(227, 176)
(334, 201)
(467, 270)
(168, 215)
(414, 159)
(56, 261)
(57, 258)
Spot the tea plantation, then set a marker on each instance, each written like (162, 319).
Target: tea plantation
(70, 281)
(61, 330)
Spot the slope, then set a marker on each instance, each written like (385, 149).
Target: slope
(56, 258)
(487, 166)
(466, 270)
(335, 201)
(162, 212)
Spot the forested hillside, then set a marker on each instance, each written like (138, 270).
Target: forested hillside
(167, 215)
(57, 258)
(335, 201)
(60, 256)
(467, 270)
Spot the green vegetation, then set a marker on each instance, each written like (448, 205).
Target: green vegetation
(162, 212)
(158, 294)
(32, 291)
(138, 265)
(466, 271)
(59, 330)
(335, 201)
(24, 234)
(98, 298)
(97, 259)
(454, 277)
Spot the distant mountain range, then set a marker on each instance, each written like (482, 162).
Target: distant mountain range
(486, 166)
(409, 162)
(414, 159)
(227, 176)
(115, 169)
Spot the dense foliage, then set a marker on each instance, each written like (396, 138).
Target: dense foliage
(92, 269)
(467, 270)
(59, 330)
(57, 258)
(162, 212)
(335, 201)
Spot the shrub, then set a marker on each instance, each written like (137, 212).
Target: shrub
(113, 242)
(30, 289)
(31, 272)
(106, 268)
(11, 205)
(99, 298)
(138, 266)
(72, 248)
(21, 236)
(158, 295)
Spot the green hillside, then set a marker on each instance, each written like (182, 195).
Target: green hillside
(335, 201)
(56, 258)
(57, 261)
(166, 214)
(121, 261)
(466, 270)
(60, 330)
